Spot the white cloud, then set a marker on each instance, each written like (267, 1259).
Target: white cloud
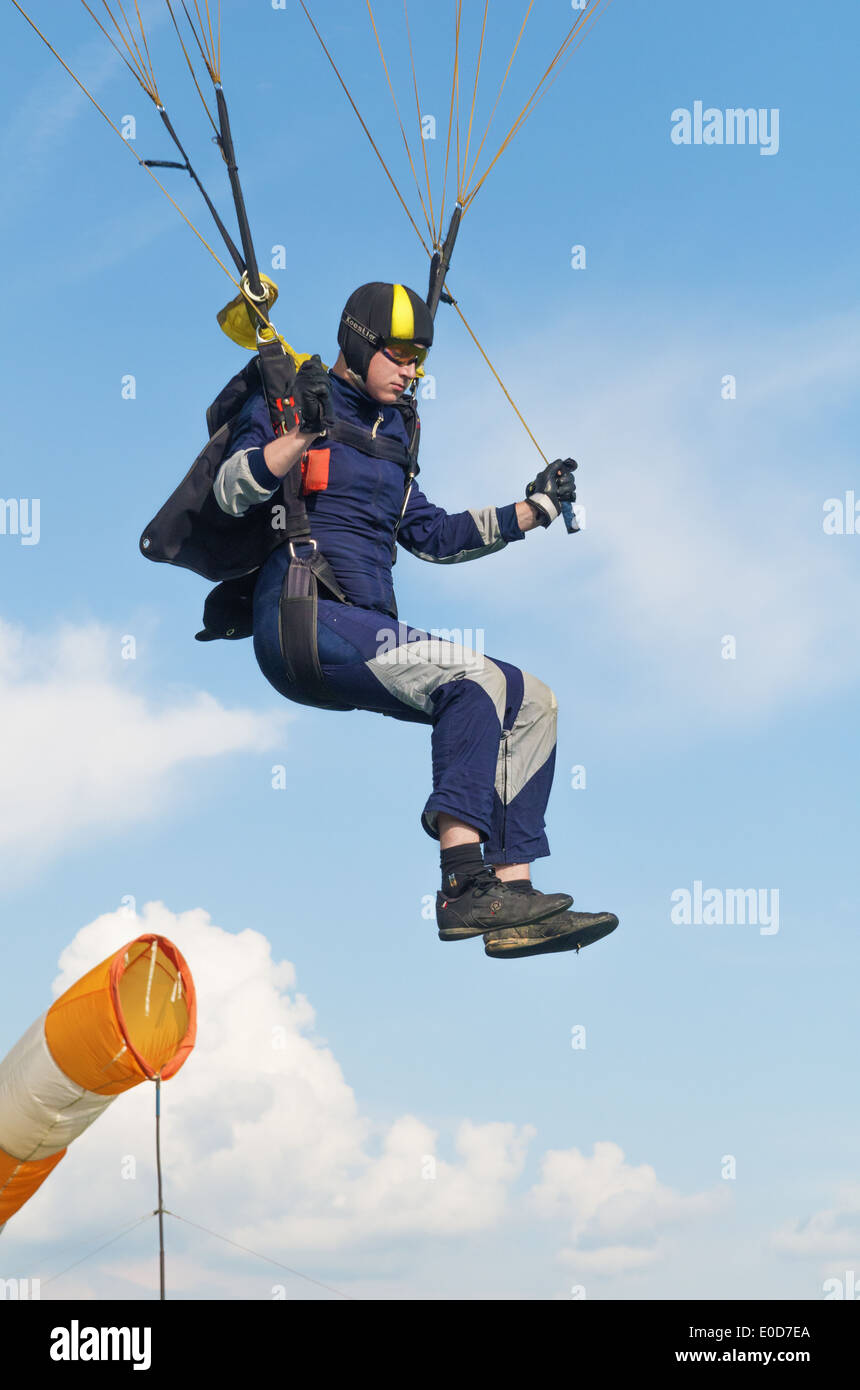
(704, 517)
(264, 1124)
(692, 554)
(612, 1214)
(264, 1142)
(831, 1234)
(82, 751)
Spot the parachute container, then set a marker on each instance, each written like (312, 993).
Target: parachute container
(131, 1019)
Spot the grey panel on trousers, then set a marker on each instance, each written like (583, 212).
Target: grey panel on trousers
(531, 740)
(414, 670)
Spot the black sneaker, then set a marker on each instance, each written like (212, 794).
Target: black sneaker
(489, 903)
(567, 931)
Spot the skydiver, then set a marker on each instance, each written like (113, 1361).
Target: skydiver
(494, 726)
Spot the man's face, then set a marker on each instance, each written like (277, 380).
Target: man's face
(387, 380)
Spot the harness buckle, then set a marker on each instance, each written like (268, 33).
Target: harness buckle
(309, 540)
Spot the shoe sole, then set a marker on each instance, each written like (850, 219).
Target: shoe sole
(574, 940)
(466, 933)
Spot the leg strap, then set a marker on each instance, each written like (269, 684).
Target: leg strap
(298, 621)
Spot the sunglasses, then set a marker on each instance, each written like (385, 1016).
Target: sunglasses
(404, 353)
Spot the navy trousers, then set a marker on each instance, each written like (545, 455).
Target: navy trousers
(494, 726)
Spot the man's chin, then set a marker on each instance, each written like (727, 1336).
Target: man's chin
(389, 394)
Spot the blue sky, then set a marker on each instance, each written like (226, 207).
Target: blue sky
(151, 778)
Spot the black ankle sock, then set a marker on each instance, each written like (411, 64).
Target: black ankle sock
(459, 866)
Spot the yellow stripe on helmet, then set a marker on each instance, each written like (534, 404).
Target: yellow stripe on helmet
(402, 315)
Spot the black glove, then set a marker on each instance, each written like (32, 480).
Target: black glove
(551, 488)
(310, 398)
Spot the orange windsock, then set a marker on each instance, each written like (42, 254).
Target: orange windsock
(131, 1019)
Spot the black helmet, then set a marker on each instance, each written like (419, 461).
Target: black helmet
(379, 313)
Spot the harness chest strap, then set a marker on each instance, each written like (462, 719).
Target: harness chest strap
(315, 466)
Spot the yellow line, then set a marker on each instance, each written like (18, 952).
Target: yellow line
(450, 122)
(130, 33)
(435, 235)
(363, 126)
(399, 121)
(475, 90)
(499, 96)
(457, 98)
(191, 66)
(145, 44)
(537, 93)
(567, 57)
(151, 91)
(508, 395)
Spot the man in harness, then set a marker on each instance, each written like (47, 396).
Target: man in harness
(326, 630)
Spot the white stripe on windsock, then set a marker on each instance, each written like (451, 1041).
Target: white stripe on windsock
(41, 1110)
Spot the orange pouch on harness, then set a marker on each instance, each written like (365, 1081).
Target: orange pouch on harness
(315, 470)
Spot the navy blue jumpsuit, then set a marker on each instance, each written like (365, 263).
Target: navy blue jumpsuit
(494, 726)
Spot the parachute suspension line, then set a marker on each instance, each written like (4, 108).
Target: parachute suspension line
(210, 52)
(457, 96)
(523, 115)
(141, 162)
(191, 67)
(527, 109)
(564, 50)
(498, 96)
(251, 287)
(216, 47)
(570, 52)
(441, 258)
(435, 232)
(144, 65)
(430, 227)
(145, 75)
(499, 380)
(461, 171)
(216, 218)
(159, 1212)
(363, 126)
(143, 38)
(450, 117)
(437, 291)
(146, 79)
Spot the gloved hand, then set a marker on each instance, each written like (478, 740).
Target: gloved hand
(553, 486)
(310, 398)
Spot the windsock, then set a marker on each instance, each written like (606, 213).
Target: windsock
(131, 1019)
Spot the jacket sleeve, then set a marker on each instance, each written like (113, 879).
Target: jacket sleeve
(444, 538)
(243, 480)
